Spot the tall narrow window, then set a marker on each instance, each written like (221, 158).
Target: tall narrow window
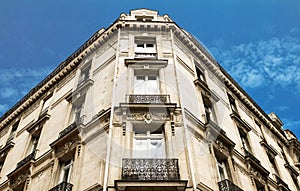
(244, 139)
(146, 82)
(296, 182)
(283, 154)
(84, 74)
(66, 170)
(273, 164)
(259, 186)
(222, 170)
(13, 131)
(200, 74)
(232, 104)
(2, 163)
(148, 142)
(46, 104)
(209, 110)
(222, 166)
(76, 113)
(33, 143)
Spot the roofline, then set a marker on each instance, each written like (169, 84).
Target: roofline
(115, 25)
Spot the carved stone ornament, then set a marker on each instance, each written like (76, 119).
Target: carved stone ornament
(255, 175)
(68, 146)
(21, 178)
(147, 117)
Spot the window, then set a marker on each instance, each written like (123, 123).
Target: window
(283, 153)
(33, 143)
(2, 160)
(46, 104)
(13, 131)
(145, 47)
(200, 74)
(244, 139)
(273, 164)
(148, 142)
(84, 74)
(76, 113)
(296, 182)
(222, 166)
(146, 82)
(65, 170)
(232, 104)
(259, 186)
(222, 170)
(143, 18)
(209, 111)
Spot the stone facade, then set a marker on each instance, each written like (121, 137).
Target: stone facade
(143, 106)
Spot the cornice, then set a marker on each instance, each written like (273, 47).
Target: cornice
(101, 36)
(190, 42)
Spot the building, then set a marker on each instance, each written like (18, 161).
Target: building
(143, 106)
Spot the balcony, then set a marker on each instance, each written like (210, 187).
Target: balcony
(150, 169)
(203, 85)
(256, 164)
(148, 99)
(64, 186)
(67, 130)
(145, 55)
(26, 160)
(227, 185)
(70, 133)
(281, 184)
(249, 156)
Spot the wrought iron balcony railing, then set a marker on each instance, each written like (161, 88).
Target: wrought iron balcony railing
(145, 55)
(227, 185)
(148, 99)
(284, 186)
(249, 155)
(64, 186)
(26, 159)
(150, 169)
(67, 130)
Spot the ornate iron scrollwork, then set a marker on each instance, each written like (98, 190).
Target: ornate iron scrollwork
(227, 185)
(64, 186)
(150, 169)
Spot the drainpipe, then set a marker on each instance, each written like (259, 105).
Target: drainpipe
(108, 152)
(191, 166)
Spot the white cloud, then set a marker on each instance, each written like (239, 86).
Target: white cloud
(8, 92)
(16, 82)
(292, 125)
(274, 61)
(3, 108)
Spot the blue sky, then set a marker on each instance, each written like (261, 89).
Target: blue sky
(257, 42)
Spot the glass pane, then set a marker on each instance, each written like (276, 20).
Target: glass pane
(140, 78)
(66, 175)
(156, 148)
(221, 172)
(149, 45)
(146, 85)
(152, 77)
(151, 87)
(140, 148)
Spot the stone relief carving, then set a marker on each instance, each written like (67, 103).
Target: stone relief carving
(21, 178)
(68, 146)
(148, 117)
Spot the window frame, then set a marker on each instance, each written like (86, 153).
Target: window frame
(148, 134)
(141, 86)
